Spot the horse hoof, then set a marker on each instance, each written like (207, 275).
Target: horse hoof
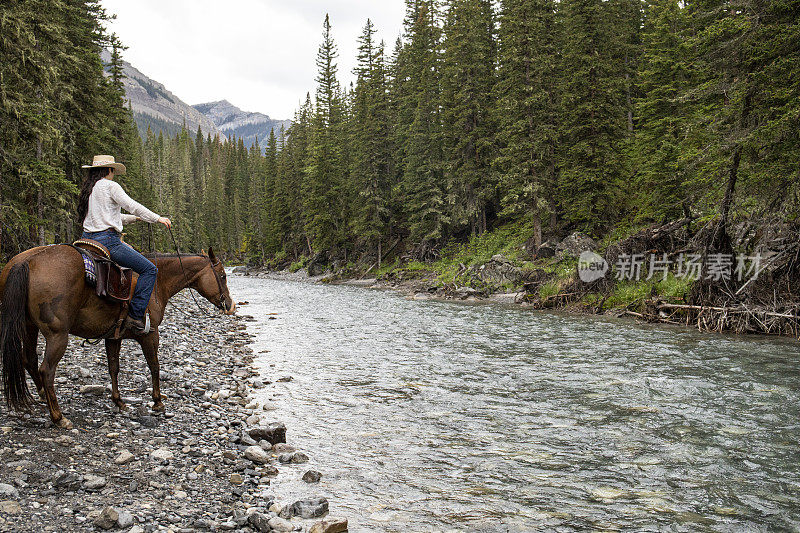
(64, 423)
(121, 406)
(158, 407)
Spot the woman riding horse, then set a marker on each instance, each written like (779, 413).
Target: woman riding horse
(99, 211)
(43, 290)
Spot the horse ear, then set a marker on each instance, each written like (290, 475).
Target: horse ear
(211, 255)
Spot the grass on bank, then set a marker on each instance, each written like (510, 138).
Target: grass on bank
(457, 261)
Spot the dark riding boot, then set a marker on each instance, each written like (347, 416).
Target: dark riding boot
(133, 325)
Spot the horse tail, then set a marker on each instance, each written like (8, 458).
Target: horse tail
(12, 330)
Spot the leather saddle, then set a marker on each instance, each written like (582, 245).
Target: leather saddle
(110, 280)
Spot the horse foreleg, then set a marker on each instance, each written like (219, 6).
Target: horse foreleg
(32, 359)
(112, 353)
(149, 345)
(54, 351)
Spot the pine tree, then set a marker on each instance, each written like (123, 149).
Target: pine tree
(422, 181)
(527, 109)
(467, 79)
(664, 77)
(271, 224)
(371, 148)
(592, 162)
(323, 180)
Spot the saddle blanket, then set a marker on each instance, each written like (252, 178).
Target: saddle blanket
(89, 267)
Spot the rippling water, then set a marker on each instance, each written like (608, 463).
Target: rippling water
(433, 416)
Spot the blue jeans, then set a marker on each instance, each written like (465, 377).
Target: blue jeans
(126, 256)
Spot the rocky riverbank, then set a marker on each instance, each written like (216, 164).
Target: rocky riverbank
(204, 465)
(683, 272)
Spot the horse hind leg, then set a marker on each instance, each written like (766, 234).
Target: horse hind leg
(54, 351)
(112, 353)
(32, 358)
(149, 345)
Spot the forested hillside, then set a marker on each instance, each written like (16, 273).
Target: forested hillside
(56, 110)
(599, 116)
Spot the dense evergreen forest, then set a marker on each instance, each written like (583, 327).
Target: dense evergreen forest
(595, 115)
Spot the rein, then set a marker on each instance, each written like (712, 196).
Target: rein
(221, 304)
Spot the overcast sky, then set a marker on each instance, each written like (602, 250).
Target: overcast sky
(257, 54)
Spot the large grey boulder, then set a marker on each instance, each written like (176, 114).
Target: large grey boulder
(498, 271)
(575, 244)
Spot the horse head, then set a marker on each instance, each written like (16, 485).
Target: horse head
(212, 284)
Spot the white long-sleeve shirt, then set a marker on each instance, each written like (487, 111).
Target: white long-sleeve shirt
(105, 205)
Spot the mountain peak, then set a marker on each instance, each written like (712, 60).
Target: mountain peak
(156, 107)
(232, 121)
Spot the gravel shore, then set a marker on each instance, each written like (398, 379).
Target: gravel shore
(204, 465)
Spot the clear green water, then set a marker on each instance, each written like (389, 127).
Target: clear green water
(432, 416)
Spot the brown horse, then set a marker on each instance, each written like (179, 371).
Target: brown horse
(43, 290)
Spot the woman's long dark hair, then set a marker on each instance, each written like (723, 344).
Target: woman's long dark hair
(93, 176)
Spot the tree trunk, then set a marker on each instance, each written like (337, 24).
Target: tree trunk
(379, 253)
(537, 229)
(40, 215)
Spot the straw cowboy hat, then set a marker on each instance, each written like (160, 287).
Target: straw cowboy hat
(106, 161)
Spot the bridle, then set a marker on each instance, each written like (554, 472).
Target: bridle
(221, 304)
(218, 279)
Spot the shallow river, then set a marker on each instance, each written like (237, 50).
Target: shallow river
(433, 416)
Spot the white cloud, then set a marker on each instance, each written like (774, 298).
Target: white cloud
(258, 54)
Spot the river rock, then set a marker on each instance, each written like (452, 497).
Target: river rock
(161, 455)
(10, 507)
(299, 458)
(8, 491)
(309, 508)
(125, 519)
(260, 522)
(124, 457)
(312, 476)
(92, 482)
(280, 524)
(64, 440)
(498, 271)
(257, 455)
(329, 525)
(246, 440)
(272, 433)
(66, 480)
(107, 518)
(97, 390)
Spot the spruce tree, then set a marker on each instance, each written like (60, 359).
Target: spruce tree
(422, 182)
(323, 183)
(371, 149)
(468, 63)
(662, 114)
(527, 109)
(594, 127)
